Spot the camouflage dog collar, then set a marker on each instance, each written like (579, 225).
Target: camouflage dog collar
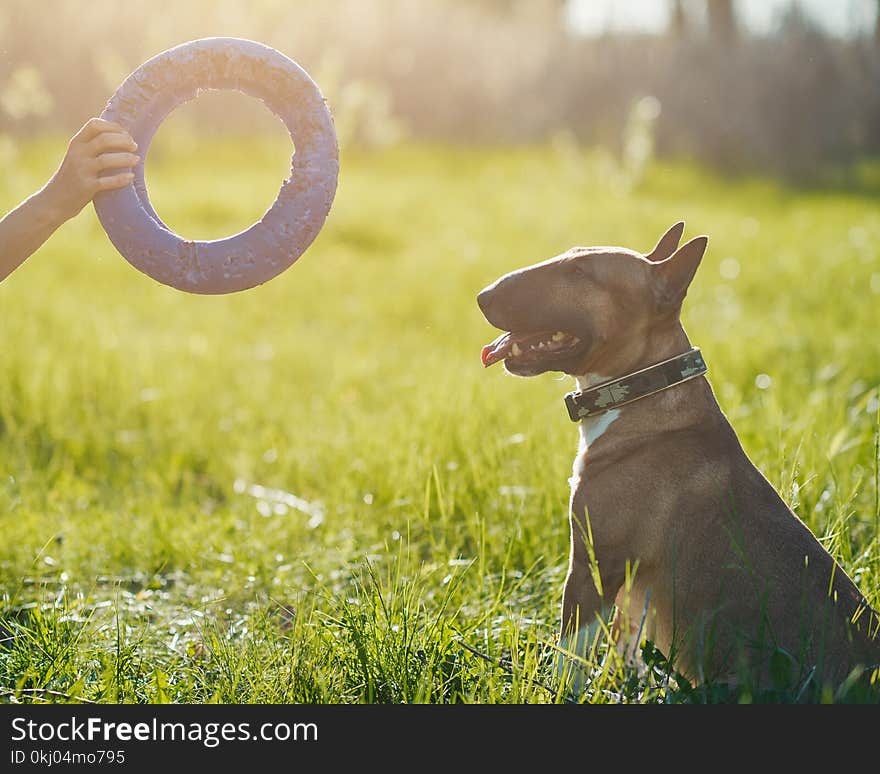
(608, 395)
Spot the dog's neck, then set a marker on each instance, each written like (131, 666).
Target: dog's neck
(686, 404)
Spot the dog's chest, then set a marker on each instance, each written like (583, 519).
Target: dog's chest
(590, 431)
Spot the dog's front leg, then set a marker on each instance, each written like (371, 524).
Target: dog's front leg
(585, 614)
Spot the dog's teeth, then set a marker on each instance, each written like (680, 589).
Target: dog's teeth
(558, 336)
(515, 350)
(542, 345)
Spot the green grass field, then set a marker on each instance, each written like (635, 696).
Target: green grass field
(313, 492)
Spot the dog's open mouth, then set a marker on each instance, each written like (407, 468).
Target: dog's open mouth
(527, 349)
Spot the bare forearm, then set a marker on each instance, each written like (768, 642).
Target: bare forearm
(99, 158)
(24, 230)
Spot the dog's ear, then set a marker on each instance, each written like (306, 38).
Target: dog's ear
(668, 243)
(673, 276)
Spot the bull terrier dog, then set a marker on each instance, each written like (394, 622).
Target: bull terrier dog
(672, 526)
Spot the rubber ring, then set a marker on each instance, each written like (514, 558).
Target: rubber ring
(288, 227)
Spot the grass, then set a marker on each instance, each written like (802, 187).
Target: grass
(312, 492)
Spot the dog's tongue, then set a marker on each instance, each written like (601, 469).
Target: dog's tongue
(497, 350)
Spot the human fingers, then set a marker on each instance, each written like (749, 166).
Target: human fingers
(95, 126)
(117, 160)
(111, 182)
(111, 141)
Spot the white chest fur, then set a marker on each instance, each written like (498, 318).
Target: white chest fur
(591, 428)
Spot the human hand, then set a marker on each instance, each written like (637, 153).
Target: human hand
(100, 145)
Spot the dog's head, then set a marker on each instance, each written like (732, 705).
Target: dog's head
(567, 313)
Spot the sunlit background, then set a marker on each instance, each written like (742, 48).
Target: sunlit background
(845, 18)
(785, 86)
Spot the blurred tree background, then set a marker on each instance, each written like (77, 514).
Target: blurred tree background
(795, 99)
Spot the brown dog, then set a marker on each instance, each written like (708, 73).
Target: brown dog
(670, 520)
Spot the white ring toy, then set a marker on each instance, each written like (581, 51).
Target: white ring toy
(288, 227)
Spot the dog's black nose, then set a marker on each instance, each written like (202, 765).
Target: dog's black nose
(484, 299)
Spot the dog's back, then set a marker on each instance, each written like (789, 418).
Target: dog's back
(739, 587)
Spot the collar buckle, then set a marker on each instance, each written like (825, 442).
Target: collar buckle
(571, 405)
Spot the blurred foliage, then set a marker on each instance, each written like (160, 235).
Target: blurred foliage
(486, 72)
